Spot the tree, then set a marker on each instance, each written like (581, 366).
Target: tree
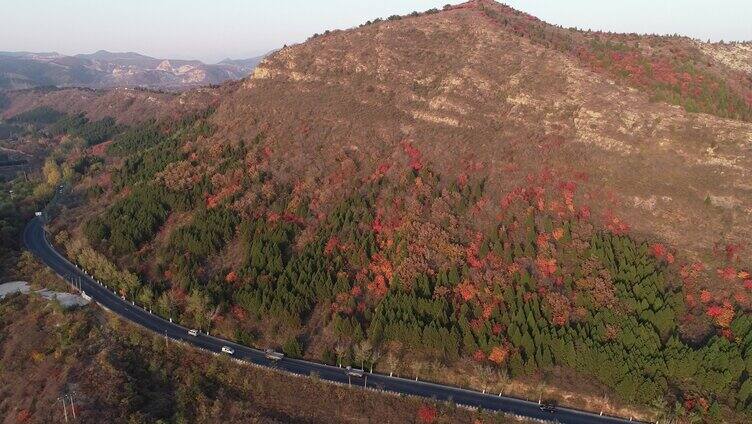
(362, 352)
(340, 349)
(427, 414)
(498, 355)
(392, 362)
(375, 355)
(292, 348)
(51, 172)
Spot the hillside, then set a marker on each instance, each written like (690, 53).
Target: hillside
(498, 101)
(117, 373)
(127, 105)
(103, 69)
(471, 195)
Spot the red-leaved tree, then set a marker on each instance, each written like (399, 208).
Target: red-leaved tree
(427, 414)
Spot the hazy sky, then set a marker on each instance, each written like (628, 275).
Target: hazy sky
(212, 30)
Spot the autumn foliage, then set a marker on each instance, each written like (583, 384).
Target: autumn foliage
(427, 414)
(498, 355)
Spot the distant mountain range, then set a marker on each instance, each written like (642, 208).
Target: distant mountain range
(103, 69)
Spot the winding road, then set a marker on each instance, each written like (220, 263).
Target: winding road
(35, 239)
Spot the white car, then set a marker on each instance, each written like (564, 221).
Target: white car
(228, 350)
(37, 213)
(273, 355)
(193, 333)
(354, 372)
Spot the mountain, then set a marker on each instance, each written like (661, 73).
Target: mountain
(470, 195)
(104, 69)
(247, 65)
(651, 129)
(128, 105)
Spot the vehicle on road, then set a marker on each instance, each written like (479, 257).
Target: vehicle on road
(273, 355)
(228, 350)
(548, 406)
(37, 213)
(354, 372)
(193, 332)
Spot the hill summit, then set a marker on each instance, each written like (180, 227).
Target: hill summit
(481, 89)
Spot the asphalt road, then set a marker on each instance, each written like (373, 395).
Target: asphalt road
(35, 239)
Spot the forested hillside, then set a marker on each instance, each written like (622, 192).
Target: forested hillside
(469, 195)
(396, 273)
(127, 105)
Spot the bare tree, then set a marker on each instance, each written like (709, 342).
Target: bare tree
(503, 379)
(484, 373)
(417, 367)
(362, 352)
(340, 350)
(392, 362)
(375, 356)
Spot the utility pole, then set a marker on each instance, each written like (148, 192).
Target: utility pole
(73, 406)
(65, 411)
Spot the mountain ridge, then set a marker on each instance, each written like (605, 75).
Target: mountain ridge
(104, 69)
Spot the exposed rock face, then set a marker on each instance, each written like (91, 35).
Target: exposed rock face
(736, 56)
(66, 300)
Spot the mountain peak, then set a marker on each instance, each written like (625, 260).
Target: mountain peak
(487, 86)
(108, 55)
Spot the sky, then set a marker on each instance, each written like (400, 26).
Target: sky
(211, 30)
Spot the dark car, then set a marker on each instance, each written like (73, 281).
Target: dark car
(548, 406)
